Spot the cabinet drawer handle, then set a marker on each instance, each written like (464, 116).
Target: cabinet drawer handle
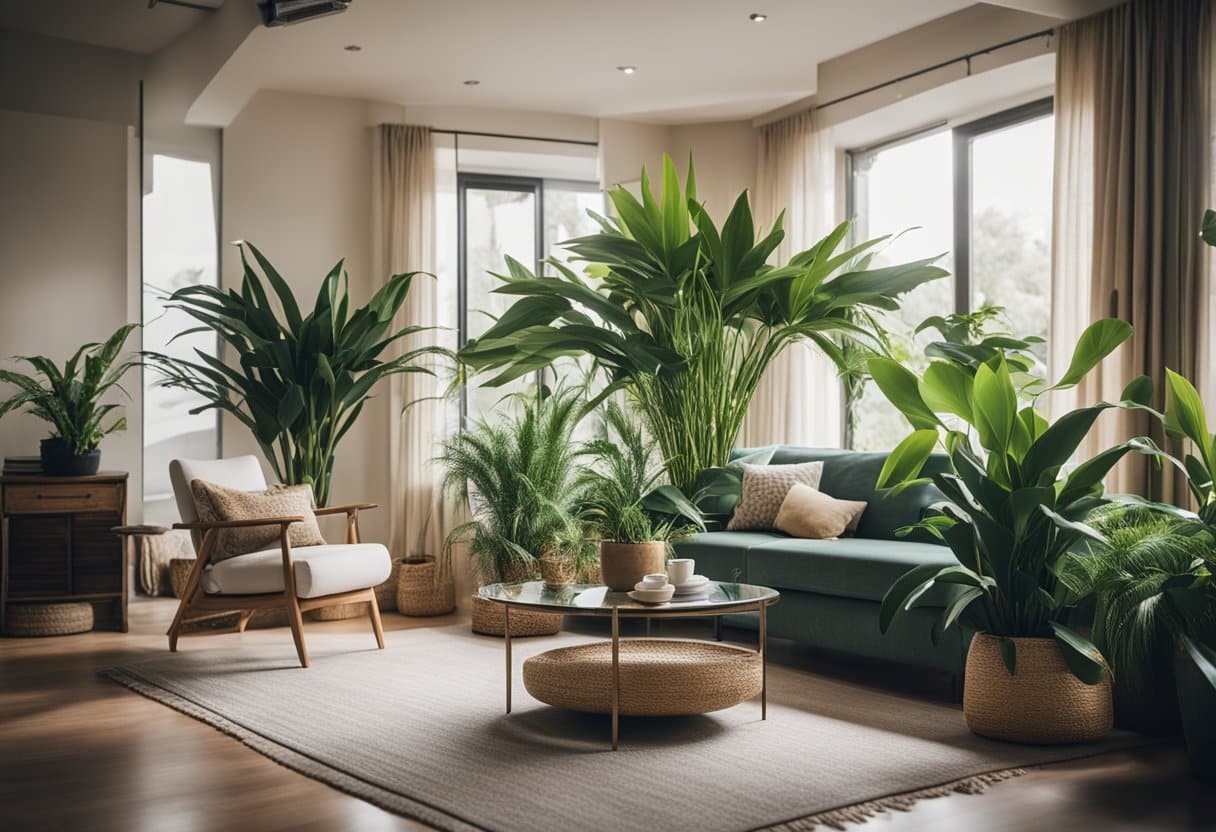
(84, 496)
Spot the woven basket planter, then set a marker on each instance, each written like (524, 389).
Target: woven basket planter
(1043, 703)
(339, 612)
(422, 591)
(488, 620)
(386, 593)
(624, 564)
(557, 571)
(48, 619)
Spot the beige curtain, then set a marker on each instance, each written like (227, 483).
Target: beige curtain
(1132, 182)
(800, 399)
(404, 208)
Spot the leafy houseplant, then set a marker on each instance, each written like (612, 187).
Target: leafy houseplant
(70, 400)
(516, 475)
(300, 381)
(626, 503)
(686, 316)
(1014, 513)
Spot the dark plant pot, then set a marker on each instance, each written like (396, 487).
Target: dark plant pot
(59, 459)
(1197, 701)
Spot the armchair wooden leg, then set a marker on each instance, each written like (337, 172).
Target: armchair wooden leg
(296, 620)
(192, 588)
(374, 612)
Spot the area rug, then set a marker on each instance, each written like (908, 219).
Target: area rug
(420, 730)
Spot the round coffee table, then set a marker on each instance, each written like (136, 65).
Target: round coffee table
(718, 676)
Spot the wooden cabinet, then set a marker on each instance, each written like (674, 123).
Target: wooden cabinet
(56, 543)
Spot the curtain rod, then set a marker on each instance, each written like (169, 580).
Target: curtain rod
(1045, 33)
(513, 136)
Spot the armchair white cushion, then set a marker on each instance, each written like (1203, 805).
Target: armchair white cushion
(319, 570)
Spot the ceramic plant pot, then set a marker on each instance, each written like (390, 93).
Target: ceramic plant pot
(59, 459)
(622, 565)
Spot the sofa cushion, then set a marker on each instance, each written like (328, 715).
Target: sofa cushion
(851, 475)
(808, 512)
(764, 490)
(320, 570)
(720, 554)
(850, 567)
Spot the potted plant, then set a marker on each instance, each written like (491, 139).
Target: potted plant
(687, 316)
(1015, 510)
(516, 476)
(625, 502)
(298, 382)
(70, 400)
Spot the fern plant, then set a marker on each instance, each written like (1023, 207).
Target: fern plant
(516, 475)
(70, 398)
(623, 496)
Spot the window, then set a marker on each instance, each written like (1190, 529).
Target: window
(179, 250)
(521, 217)
(980, 193)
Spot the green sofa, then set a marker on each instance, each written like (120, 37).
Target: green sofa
(831, 589)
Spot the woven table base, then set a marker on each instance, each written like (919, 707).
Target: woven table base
(658, 677)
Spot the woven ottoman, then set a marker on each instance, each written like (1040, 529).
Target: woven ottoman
(659, 677)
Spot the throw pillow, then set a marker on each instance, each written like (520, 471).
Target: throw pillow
(215, 502)
(809, 513)
(764, 489)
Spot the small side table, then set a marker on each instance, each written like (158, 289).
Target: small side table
(128, 534)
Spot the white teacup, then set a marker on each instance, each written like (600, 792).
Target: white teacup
(680, 570)
(655, 580)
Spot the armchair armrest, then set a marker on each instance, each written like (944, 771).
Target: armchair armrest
(140, 530)
(353, 508)
(202, 525)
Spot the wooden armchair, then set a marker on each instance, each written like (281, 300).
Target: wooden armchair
(307, 578)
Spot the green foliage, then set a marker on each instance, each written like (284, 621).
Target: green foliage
(623, 497)
(1014, 511)
(70, 398)
(517, 477)
(1152, 584)
(300, 381)
(685, 315)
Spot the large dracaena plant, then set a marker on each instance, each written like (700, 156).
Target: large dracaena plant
(70, 398)
(685, 315)
(298, 382)
(1015, 508)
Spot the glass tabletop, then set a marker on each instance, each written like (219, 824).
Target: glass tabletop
(591, 599)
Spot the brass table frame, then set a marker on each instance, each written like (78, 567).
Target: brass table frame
(658, 611)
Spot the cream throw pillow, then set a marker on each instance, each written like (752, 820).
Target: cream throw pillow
(764, 489)
(215, 502)
(809, 513)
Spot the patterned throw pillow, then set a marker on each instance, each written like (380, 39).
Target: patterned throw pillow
(215, 502)
(809, 513)
(764, 490)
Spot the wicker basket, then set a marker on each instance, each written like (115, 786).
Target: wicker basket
(386, 593)
(557, 571)
(658, 677)
(339, 612)
(488, 620)
(624, 564)
(48, 619)
(422, 591)
(1042, 703)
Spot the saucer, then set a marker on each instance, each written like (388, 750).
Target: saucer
(695, 584)
(641, 587)
(653, 596)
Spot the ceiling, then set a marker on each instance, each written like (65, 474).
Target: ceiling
(118, 24)
(695, 59)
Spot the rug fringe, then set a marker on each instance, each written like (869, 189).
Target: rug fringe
(857, 813)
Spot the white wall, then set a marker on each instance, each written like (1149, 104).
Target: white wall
(297, 184)
(724, 156)
(65, 238)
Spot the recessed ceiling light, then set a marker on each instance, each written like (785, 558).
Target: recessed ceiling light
(757, 17)
(472, 82)
(353, 47)
(628, 70)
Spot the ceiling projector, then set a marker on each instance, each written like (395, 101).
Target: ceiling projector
(287, 12)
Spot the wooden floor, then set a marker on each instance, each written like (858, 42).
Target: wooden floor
(79, 752)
